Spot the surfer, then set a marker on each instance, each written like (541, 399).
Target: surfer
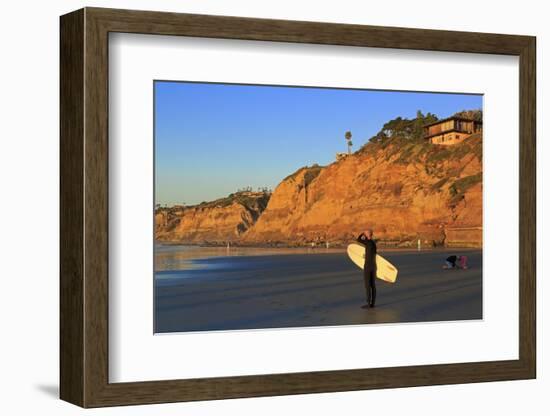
(369, 270)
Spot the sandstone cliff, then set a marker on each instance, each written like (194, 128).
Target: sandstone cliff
(405, 190)
(219, 221)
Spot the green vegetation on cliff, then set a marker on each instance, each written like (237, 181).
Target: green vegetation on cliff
(247, 199)
(403, 128)
(460, 186)
(404, 151)
(402, 140)
(311, 173)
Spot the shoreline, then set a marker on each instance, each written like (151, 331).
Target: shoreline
(187, 257)
(340, 246)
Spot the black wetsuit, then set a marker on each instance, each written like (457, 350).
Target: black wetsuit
(369, 270)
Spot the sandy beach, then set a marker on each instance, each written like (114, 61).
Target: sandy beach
(208, 289)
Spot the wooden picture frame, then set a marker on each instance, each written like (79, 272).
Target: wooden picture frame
(84, 207)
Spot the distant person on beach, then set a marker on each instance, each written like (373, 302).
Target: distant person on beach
(451, 262)
(369, 269)
(463, 262)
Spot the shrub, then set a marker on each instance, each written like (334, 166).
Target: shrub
(460, 186)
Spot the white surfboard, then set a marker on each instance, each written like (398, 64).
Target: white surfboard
(384, 269)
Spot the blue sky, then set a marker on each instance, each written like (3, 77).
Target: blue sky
(211, 139)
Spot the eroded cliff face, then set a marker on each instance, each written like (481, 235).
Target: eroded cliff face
(405, 191)
(221, 221)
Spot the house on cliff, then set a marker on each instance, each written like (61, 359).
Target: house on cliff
(451, 130)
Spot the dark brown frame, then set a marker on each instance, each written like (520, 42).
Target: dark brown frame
(84, 210)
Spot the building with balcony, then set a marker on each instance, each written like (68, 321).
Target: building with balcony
(451, 130)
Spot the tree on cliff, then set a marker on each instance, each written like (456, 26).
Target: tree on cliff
(348, 139)
(476, 115)
(404, 128)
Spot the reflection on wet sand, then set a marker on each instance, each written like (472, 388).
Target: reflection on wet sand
(181, 257)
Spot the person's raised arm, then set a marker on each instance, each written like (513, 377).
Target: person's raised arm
(361, 238)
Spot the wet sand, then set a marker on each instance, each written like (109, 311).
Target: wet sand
(242, 289)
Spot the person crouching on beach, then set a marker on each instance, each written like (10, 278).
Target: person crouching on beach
(450, 262)
(369, 269)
